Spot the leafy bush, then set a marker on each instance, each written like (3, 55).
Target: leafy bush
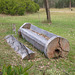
(17, 7)
(12, 7)
(20, 8)
(16, 70)
(37, 7)
(31, 6)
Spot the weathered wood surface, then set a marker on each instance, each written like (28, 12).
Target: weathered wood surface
(49, 43)
(25, 52)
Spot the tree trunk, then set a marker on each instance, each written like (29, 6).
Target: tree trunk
(70, 4)
(47, 10)
(25, 52)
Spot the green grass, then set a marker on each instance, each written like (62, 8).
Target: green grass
(63, 24)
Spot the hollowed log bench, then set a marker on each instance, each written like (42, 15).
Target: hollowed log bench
(52, 45)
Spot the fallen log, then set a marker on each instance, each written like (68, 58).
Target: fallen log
(25, 52)
(52, 45)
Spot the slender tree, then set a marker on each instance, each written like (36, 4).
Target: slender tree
(70, 4)
(47, 11)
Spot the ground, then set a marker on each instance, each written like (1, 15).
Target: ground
(63, 24)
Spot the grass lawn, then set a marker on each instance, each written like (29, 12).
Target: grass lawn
(63, 24)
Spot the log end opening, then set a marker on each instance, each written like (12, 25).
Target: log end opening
(58, 47)
(57, 51)
(27, 26)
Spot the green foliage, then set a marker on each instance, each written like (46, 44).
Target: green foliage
(37, 7)
(41, 3)
(17, 7)
(33, 7)
(64, 3)
(16, 70)
(55, 3)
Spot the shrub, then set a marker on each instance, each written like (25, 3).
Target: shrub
(31, 6)
(17, 7)
(12, 7)
(20, 8)
(37, 7)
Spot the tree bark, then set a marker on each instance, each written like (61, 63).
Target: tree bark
(47, 10)
(70, 4)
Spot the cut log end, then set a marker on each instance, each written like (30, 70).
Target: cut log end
(30, 56)
(59, 47)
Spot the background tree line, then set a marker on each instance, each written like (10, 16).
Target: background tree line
(56, 3)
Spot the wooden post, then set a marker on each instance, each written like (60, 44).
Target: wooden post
(47, 10)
